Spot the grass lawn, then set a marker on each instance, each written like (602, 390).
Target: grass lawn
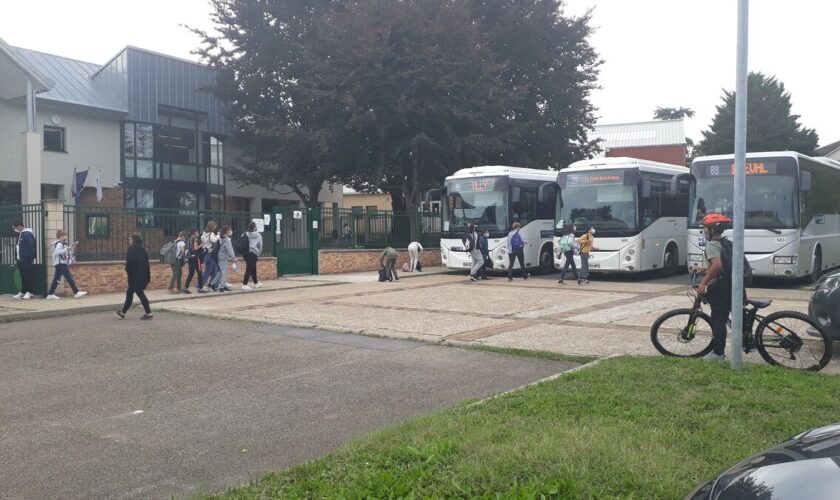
(631, 427)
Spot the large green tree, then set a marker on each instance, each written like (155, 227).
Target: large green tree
(661, 113)
(770, 124)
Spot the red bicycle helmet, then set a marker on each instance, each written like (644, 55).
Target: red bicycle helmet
(713, 219)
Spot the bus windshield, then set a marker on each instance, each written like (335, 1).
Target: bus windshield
(770, 200)
(481, 201)
(605, 207)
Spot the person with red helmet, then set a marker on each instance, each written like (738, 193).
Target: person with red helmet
(714, 285)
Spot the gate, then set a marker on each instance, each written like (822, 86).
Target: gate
(31, 216)
(296, 236)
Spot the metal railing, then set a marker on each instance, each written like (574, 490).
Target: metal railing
(349, 228)
(32, 217)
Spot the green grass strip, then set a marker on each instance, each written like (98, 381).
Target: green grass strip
(632, 427)
(552, 356)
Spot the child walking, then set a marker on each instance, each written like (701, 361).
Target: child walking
(587, 244)
(62, 258)
(138, 272)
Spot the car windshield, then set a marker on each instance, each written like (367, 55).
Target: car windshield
(770, 200)
(606, 207)
(481, 201)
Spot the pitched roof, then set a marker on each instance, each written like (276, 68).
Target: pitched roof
(829, 149)
(640, 134)
(73, 81)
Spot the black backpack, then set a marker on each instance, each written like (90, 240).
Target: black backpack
(243, 245)
(726, 260)
(214, 253)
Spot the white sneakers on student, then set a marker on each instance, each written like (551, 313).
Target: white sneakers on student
(79, 294)
(17, 296)
(53, 297)
(258, 285)
(26, 296)
(246, 288)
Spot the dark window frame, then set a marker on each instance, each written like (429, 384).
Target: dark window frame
(89, 235)
(62, 131)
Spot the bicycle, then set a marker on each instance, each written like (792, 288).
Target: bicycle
(783, 338)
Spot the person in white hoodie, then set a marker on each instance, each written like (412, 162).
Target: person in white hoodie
(62, 258)
(255, 244)
(226, 253)
(210, 240)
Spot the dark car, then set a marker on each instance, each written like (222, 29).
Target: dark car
(824, 306)
(807, 466)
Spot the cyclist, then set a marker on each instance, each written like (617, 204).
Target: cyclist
(715, 285)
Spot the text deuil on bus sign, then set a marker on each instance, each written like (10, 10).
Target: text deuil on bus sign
(753, 169)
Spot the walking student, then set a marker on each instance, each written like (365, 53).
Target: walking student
(516, 250)
(414, 251)
(224, 254)
(388, 262)
(484, 248)
(62, 258)
(26, 251)
(139, 275)
(251, 256)
(715, 285)
(567, 246)
(470, 241)
(587, 244)
(178, 263)
(195, 257)
(210, 242)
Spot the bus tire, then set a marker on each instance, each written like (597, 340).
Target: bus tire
(816, 266)
(671, 260)
(546, 260)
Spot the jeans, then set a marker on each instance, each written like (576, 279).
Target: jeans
(584, 265)
(62, 271)
(518, 254)
(27, 280)
(487, 264)
(129, 298)
(721, 305)
(211, 268)
(570, 261)
(250, 268)
(176, 277)
(195, 269)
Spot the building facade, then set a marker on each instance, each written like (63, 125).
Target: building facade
(659, 140)
(141, 122)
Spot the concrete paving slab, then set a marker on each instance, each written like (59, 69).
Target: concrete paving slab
(574, 339)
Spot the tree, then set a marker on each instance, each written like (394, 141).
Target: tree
(289, 134)
(770, 124)
(661, 113)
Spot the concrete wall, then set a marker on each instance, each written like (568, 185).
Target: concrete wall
(12, 127)
(675, 155)
(380, 201)
(351, 261)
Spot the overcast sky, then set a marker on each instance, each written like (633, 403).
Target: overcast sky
(656, 52)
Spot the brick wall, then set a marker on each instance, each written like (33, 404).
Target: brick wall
(352, 261)
(109, 277)
(674, 155)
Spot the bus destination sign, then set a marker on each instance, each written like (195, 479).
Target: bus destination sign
(751, 168)
(474, 185)
(592, 179)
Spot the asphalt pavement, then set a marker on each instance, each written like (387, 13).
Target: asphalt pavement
(94, 407)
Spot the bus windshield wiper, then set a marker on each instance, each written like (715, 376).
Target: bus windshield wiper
(772, 230)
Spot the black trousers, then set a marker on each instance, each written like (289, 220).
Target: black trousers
(570, 262)
(195, 269)
(129, 298)
(27, 276)
(250, 268)
(721, 304)
(518, 254)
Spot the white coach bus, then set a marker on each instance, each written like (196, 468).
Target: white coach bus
(791, 223)
(493, 198)
(638, 208)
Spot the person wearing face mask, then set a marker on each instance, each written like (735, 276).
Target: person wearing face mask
(484, 248)
(226, 253)
(470, 241)
(26, 251)
(587, 244)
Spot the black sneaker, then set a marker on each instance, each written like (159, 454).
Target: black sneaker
(510, 279)
(527, 275)
(187, 291)
(121, 314)
(562, 282)
(485, 278)
(201, 290)
(146, 316)
(473, 278)
(583, 282)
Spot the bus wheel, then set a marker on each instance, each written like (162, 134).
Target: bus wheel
(671, 266)
(816, 270)
(546, 260)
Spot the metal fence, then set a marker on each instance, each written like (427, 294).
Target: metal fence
(103, 232)
(349, 228)
(32, 217)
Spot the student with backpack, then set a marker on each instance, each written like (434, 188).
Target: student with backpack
(224, 253)
(195, 257)
(175, 253)
(484, 248)
(138, 272)
(210, 242)
(716, 284)
(250, 247)
(587, 244)
(388, 262)
(516, 250)
(567, 246)
(26, 251)
(470, 241)
(62, 258)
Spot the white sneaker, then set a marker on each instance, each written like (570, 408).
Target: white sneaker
(258, 285)
(79, 294)
(246, 288)
(53, 297)
(17, 296)
(227, 285)
(27, 296)
(714, 357)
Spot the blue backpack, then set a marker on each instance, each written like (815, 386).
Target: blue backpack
(516, 242)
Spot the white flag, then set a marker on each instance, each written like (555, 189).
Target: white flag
(97, 183)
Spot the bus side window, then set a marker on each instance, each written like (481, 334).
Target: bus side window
(652, 206)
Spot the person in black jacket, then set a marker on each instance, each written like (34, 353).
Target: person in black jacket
(139, 275)
(484, 248)
(26, 251)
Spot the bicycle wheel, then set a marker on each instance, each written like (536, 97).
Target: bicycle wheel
(791, 339)
(672, 334)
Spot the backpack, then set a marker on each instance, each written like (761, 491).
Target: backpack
(168, 253)
(383, 275)
(516, 243)
(565, 243)
(243, 245)
(215, 252)
(469, 242)
(726, 260)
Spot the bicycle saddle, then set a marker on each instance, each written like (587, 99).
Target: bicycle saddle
(759, 303)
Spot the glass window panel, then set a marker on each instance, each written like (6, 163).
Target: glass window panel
(220, 157)
(128, 139)
(145, 140)
(214, 151)
(54, 139)
(98, 226)
(177, 121)
(183, 173)
(131, 198)
(202, 174)
(145, 198)
(128, 163)
(145, 169)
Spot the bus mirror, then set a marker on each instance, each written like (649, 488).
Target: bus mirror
(680, 183)
(514, 196)
(646, 189)
(431, 194)
(546, 191)
(804, 181)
